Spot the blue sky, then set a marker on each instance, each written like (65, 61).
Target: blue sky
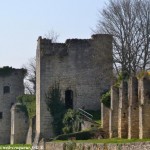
(22, 21)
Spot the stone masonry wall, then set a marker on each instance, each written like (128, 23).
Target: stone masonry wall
(123, 111)
(144, 108)
(105, 118)
(19, 126)
(91, 146)
(15, 83)
(83, 66)
(113, 118)
(133, 109)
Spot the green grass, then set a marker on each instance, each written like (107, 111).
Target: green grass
(106, 141)
(16, 146)
(113, 140)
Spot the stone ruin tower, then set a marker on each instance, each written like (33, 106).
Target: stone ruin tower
(11, 86)
(82, 67)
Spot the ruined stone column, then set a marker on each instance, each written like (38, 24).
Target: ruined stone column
(105, 118)
(144, 107)
(19, 125)
(123, 111)
(133, 109)
(113, 116)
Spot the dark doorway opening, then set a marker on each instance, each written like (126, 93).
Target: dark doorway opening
(69, 99)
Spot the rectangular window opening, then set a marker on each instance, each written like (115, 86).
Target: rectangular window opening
(1, 115)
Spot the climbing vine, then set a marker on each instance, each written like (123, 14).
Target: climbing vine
(56, 107)
(28, 105)
(105, 99)
(6, 71)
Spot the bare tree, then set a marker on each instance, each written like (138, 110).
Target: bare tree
(129, 23)
(30, 79)
(52, 35)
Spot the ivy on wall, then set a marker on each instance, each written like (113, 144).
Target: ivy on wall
(106, 99)
(28, 105)
(56, 107)
(6, 71)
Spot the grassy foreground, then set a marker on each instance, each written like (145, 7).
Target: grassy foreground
(115, 140)
(16, 147)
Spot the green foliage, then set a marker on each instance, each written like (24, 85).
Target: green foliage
(121, 77)
(95, 113)
(6, 71)
(105, 99)
(96, 116)
(143, 73)
(28, 105)
(72, 120)
(78, 136)
(56, 107)
(70, 145)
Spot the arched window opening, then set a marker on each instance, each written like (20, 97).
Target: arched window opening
(6, 89)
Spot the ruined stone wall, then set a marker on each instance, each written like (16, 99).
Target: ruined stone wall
(133, 108)
(144, 108)
(92, 146)
(123, 111)
(83, 66)
(105, 118)
(113, 116)
(131, 116)
(15, 83)
(19, 125)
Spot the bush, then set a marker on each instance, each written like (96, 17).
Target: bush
(106, 99)
(28, 105)
(85, 135)
(56, 108)
(72, 120)
(6, 71)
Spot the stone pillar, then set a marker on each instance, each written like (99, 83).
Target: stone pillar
(113, 116)
(19, 126)
(105, 118)
(133, 109)
(144, 107)
(123, 111)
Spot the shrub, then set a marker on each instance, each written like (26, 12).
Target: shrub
(6, 71)
(106, 99)
(56, 107)
(72, 120)
(85, 135)
(28, 105)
